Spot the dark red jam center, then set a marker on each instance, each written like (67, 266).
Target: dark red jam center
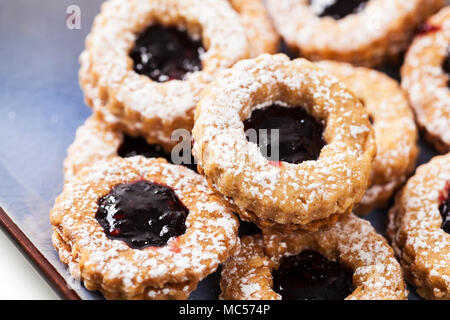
(444, 208)
(427, 28)
(341, 8)
(166, 53)
(142, 214)
(300, 134)
(131, 147)
(311, 276)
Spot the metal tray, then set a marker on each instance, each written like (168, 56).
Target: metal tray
(41, 106)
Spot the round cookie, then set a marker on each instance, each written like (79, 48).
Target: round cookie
(419, 229)
(260, 31)
(105, 232)
(317, 184)
(395, 131)
(365, 33)
(426, 78)
(146, 61)
(324, 262)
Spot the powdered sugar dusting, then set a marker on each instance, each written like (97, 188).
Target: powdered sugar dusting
(355, 243)
(309, 191)
(382, 29)
(106, 70)
(94, 140)
(415, 229)
(426, 82)
(209, 239)
(258, 26)
(352, 241)
(395, 130)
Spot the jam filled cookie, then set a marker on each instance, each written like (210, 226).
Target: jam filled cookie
(395, 130)
(426, 78)
(321, 149)
(97, 140)
(146, 61)
(140, 228)
(260, 31)
(419, 227)
(347, 261)
(361, 32)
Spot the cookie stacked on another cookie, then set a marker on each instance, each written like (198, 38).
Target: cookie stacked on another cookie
(291, 149)
(361, 32)
(128, 223)
(316, 158)
(288, 145)
(426, 79)
(419, 228)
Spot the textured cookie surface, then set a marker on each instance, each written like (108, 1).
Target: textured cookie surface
(379, 32)
(422, 246)
(140, 105)
(269, 193)
(120, 272)
(352, 241)
(395, 130)
(426, 81)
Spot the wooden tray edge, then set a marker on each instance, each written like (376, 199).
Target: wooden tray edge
(41, 264)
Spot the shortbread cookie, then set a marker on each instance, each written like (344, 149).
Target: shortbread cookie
(326, 142)
(426, 78)
(259, 28)
(361, 32)
(98, 140)
(395, 130)
(347, 261)
(140, 228)
(146, 61)
(419, 228)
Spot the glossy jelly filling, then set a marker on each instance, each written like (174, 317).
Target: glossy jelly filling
(337, 9)
(142, 214)
(444, 208)
(311, 276)
(300, 134)
(166, 53)
(132, 146)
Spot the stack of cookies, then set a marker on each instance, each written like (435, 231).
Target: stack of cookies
(200, 126)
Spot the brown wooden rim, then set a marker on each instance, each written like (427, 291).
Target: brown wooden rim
(41, 264)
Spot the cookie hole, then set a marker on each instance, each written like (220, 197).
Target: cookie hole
(444, 208)
(337, 9)
(287, 134)
(311, 276)
(142, 214)
(247, 228)
(166, 53)
(371, 119)
(138, 146)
